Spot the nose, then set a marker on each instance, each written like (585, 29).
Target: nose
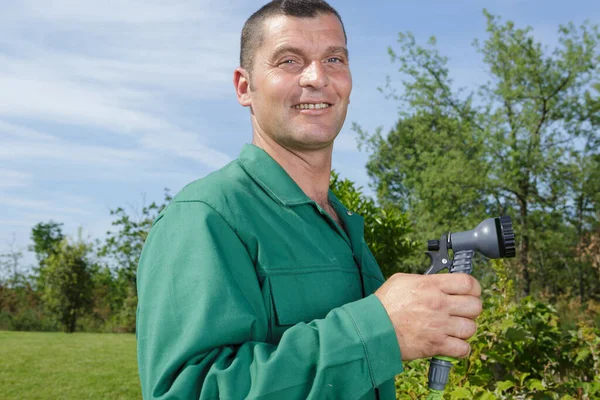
(314, 75)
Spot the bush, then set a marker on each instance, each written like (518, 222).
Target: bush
(27, 320)
(520, 352)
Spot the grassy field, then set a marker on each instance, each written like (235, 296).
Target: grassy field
(68, 366)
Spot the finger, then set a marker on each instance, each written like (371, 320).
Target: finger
(461, 328)
(454, 347)
(457, 284)
(464, 305)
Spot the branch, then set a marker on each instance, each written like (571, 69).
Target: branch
(447, 93)
(519, 196)
(561, 86)
(545, 104)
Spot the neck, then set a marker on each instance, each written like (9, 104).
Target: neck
(310, 169)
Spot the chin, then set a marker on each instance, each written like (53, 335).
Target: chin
(308, 142)
(318, 139)
(317, 134)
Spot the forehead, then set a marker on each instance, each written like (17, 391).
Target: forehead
(322, 31)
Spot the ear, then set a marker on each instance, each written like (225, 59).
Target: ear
(241, 81)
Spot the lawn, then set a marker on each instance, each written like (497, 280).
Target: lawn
(68, 366)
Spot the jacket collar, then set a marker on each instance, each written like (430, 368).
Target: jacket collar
(271, 176)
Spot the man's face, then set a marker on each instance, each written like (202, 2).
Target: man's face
(300, 83)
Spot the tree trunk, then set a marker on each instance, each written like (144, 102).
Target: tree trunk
(72, 322)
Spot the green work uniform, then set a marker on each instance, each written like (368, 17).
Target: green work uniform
(249, 290)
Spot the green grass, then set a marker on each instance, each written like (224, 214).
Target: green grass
(37, 365)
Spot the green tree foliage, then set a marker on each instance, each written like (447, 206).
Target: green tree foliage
(67, 283)
(122, 251)
(46, 236)
(524, 144)
(124, 246)
(108, 296)
(21, 307)
(386, 228)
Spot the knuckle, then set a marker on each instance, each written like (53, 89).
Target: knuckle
(479, 307)
(469, 329)
(436, 325)
(464, 350)
(467, 282)
(436, 341)
(467, 350)
(436, 303)
(424, 283)
(476, 286)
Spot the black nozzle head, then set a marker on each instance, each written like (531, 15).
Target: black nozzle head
(506, 235)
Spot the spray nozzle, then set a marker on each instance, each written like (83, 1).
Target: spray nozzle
(493, 238)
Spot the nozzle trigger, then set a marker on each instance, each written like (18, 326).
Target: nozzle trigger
(439, 259)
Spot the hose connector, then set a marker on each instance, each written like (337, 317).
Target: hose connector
(439, 369)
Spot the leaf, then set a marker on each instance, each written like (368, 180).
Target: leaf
(582, 354)
(535, 384)
(461, 393)
(487, 396)
(502, 386)
(516, 335)
(523, 376)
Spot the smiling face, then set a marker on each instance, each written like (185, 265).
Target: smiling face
(300, 84)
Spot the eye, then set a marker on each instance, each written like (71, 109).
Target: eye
(288, 62)
(335, 60)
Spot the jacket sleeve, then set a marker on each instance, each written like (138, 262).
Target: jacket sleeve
(202, 324)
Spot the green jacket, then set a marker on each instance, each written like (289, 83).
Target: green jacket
(247, 289)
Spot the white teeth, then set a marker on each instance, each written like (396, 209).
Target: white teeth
(310, 106)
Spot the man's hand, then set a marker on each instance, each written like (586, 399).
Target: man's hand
(432, 314)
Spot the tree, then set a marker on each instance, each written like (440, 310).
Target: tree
(508, 148)
(67, 282)
(122, 251)
(10, 265)
(124, 246)
(46, 237)
(431, 166)
(387, 229)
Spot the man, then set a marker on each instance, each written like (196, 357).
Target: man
(256, 282)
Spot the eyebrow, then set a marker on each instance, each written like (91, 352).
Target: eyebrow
(295, 50)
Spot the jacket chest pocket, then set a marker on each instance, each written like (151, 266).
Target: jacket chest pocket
(306, 296)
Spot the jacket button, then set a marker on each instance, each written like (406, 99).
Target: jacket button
(349, 212)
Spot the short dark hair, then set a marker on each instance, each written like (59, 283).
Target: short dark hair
(252, 33)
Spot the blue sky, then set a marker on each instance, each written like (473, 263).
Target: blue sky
(105, 103)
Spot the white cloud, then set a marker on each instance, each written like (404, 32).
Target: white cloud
(185, 144)
(73, 68)
(130, 11)
(69, 153)
(68, 103)
(40, 205)
(12, 179)
(11, 130)
(96, 101)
